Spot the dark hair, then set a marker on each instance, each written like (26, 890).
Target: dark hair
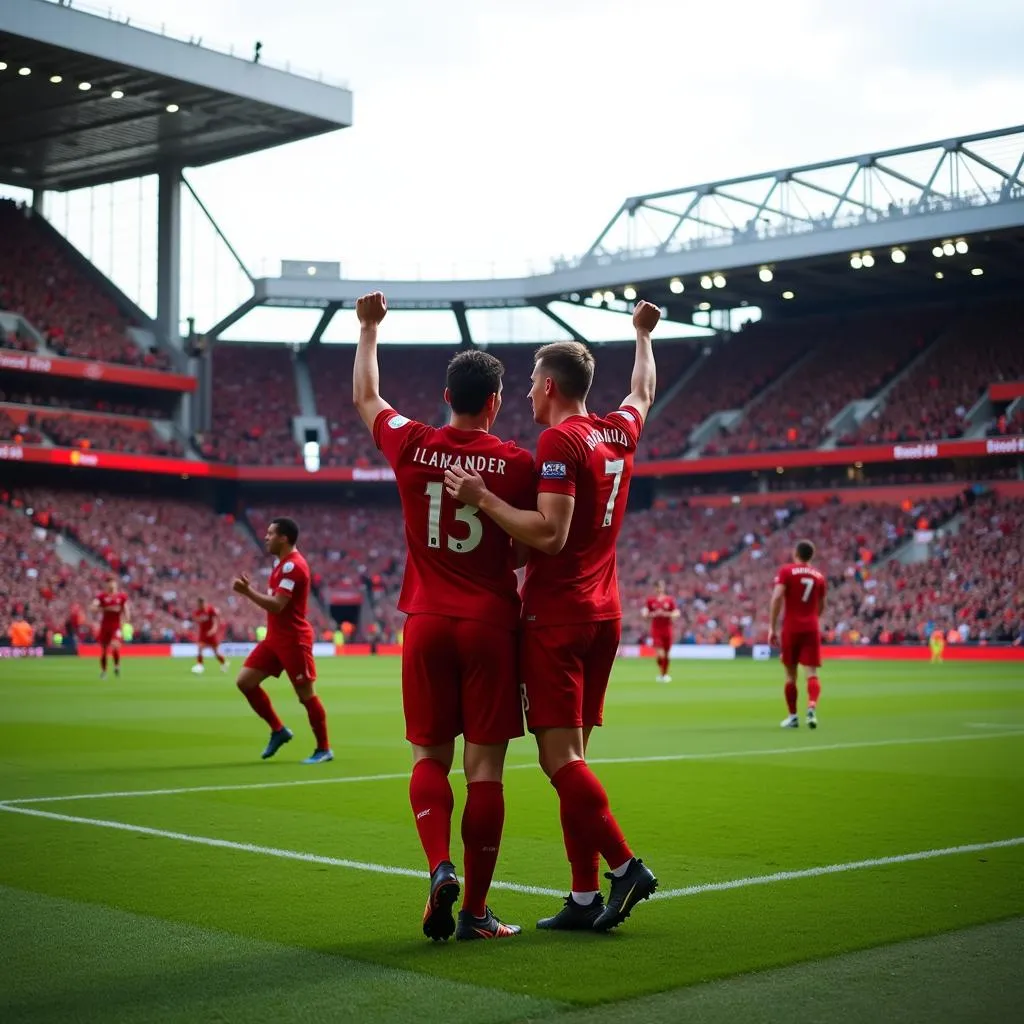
(472, 378)
(287, 528)
(571, 366)
(804, 550)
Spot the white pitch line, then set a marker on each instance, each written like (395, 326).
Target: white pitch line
(835, 869)
(529, 890)
(646, 759)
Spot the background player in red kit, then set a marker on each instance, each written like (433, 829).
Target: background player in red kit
(660, 610)
(288, 646)
(113, 607)
(459, 592)
(572, 617)
(800, 587)
(207, 620)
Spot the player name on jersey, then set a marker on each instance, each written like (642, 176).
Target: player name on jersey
(607, 435)
(448, 460)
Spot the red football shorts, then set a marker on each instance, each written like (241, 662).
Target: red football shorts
(271, 658)
(803, 648)
(210, 640)
(661, 637)
(565, 672)
(459, 676)
(109, 635)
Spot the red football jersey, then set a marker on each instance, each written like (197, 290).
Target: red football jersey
(290, 576)
(660, 608)
(591, 458)
(112, 609)
(805, 590)
(205, 620)
(460, 562)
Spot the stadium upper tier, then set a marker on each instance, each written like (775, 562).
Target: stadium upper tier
(719, 562)
(41, 281)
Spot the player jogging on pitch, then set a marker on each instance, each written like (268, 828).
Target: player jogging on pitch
(207, 620)
(459, 592)
(288, 646)
(800, 589)
(113, 607)
(660, 611)
(572, 616)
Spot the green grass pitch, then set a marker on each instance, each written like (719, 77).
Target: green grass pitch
(208, 885)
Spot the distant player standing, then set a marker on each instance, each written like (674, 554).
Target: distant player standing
(288, 646)
(207, 620)
(459, 592)
(800, 589)
(660, 611)
(572, 616)
(112, 604)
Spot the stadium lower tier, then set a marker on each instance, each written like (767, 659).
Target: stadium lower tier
(899, 568)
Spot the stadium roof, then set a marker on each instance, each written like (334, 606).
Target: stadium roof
(85, 100)
(858, 230)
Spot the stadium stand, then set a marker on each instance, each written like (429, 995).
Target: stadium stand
(107, 434)
(933, 401)
(253, 405)
(39, 281)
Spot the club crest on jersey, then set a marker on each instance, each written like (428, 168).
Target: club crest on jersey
(397, 421)
(552, 471)
(288, 566)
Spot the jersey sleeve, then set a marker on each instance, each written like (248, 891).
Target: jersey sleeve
(781, 576)
(630, 420)
(525, 481)
(392, 433)
(557, 463)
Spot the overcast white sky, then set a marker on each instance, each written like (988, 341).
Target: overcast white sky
(490, 134)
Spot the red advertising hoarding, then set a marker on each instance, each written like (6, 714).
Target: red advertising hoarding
(83, 369)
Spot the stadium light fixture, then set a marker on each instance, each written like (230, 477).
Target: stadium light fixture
(629, 293)
(24, 72)
(948, 249)
(718, 280)
(704, 306)
(608, 296)
(574, 297)
(937, 252)
(117, 94)
(3, 65)
(766, 274)
(706, 283)
(311, 271)
(676, 287)
(788, 295)
(899, 256)
(856, 262)
(961, 246)
(596, 297)
(84, 86)
(939, 275)
(56, 79)
(868, 260)
(976, 272)
(172, 108)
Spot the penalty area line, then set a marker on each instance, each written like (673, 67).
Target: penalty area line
(529, 890)
(710, 755)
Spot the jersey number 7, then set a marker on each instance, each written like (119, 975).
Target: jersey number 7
(808, 585)
(613, 468)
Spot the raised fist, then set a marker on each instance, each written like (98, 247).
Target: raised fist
(646, 316)
(372, 308)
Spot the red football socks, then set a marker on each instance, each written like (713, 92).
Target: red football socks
(813, 691)
(482, 822)
(791, 697)
(317, 721)
(260, 703)
(199, 658)
(583, 858)
(103, 662)
(432, 800)
(586, 815)
(663, 665)
(221, 659)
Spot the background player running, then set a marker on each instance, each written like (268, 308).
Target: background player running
(800, 589)
(572, 616)
(459, 592)
(288, 646)
(207, 620)
(112, 604)
(660, 611)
